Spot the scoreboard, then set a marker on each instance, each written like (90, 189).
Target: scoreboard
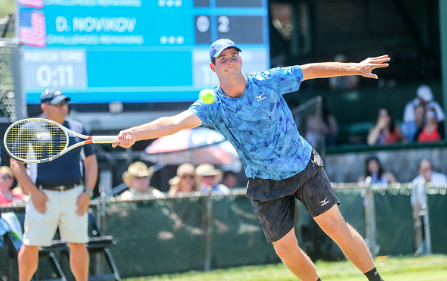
(101, 51)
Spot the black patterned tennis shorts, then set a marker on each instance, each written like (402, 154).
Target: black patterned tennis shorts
(277, 215)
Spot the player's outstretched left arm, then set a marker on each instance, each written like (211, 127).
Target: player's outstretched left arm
(161, 127)
(332, 69)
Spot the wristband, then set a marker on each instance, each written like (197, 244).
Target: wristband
(89, 192)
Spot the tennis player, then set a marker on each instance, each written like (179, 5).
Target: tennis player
(252, 114)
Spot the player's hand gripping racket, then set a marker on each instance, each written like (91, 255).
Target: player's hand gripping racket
(38, 140)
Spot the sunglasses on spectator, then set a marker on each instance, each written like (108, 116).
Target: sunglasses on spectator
(5, 177)
(430, 114)
(187, 177)
(60, 104)
(139, 178)
(208, 176)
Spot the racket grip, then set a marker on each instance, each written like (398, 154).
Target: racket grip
(104, 139)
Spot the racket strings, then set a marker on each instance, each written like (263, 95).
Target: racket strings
(35, 140)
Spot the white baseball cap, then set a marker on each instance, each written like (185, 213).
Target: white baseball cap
(424, 92)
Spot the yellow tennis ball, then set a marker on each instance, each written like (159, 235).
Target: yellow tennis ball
(208, 96)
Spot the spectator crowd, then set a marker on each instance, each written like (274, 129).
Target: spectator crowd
(189, 180)
(423, 121)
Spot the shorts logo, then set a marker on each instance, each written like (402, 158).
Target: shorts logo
(260, 97)
(324, 202)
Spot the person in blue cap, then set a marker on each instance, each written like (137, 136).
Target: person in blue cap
(58, 196)
(249, 109)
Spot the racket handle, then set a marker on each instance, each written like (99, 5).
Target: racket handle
(104, 139)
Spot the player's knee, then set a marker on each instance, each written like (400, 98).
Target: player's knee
(282, 252)
(334, 228)
(284, 249)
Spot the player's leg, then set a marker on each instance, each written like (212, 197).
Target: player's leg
(319, 198)
(349, 240)
(276, 217)
(79, 261)
(294, 258)
(74, 229)
(28, 260)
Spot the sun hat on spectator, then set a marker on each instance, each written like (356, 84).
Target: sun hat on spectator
(184, 169)
(137, 169)
(207, 170)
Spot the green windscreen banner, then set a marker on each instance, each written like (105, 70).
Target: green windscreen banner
(394, 222)
(437, 210)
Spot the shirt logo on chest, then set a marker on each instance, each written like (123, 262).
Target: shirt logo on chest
(260, 97)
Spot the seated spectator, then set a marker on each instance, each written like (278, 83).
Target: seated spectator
(9, 196)
(315, 128)
(229, 179)
(410, 128)
(138, 180)
(375, 174)
(385, 130)
(426, 176)
(185, 181)
(343, 83)
(209, 179)
(424, 98)
(432, 130)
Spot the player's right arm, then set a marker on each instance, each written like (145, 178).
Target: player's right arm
(163, 126)
(334, 69)
(38, 197)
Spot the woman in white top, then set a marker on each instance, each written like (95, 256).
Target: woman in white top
(374, 172)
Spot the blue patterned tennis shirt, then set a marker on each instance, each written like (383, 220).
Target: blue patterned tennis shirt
(260, 125)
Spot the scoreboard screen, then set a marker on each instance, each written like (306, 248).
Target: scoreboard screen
(101, 51)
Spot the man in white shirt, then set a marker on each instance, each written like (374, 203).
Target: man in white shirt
(425, 98)
(426, 176)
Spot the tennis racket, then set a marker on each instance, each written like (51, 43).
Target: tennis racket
(39, 140)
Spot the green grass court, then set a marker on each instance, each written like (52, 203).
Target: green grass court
(433, 268)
